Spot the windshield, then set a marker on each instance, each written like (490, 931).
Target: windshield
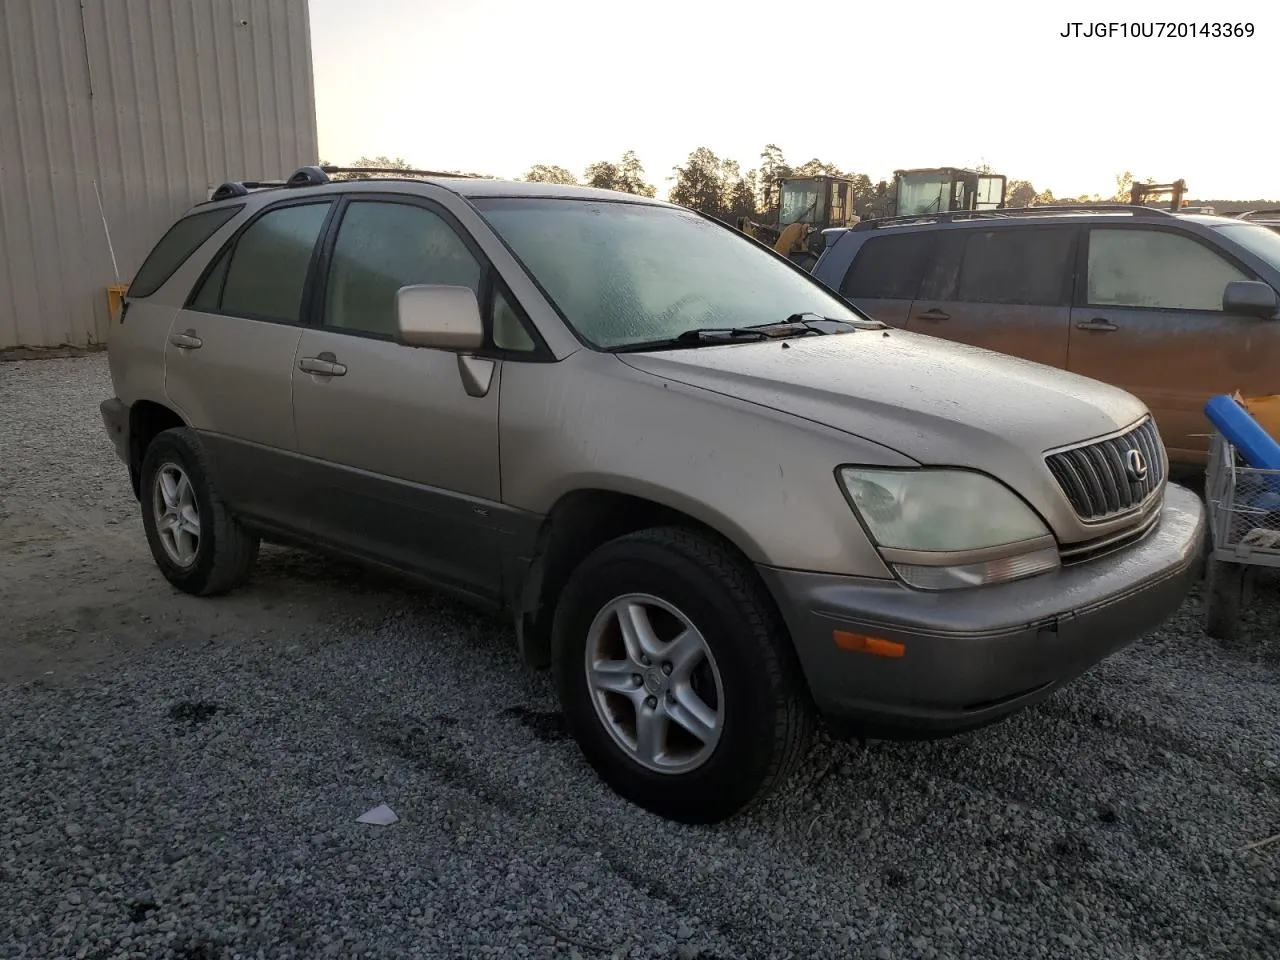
(799, 201)
(922, 193)
(1255, 238)
(626, 273)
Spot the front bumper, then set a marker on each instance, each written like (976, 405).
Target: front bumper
(115, 417)
(974, 656)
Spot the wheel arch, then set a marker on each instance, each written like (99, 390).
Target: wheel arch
(147, 419)
(584, 519)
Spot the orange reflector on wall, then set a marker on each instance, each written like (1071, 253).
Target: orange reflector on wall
(858, 643)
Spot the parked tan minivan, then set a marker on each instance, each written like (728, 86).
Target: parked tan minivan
(1172, 307)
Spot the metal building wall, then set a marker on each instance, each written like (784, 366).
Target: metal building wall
(152, 101)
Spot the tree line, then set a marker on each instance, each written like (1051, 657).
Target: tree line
(711, 184)
(719, 187)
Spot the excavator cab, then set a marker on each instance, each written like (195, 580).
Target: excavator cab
(942, 189)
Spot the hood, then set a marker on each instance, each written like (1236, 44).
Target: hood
(935, 401)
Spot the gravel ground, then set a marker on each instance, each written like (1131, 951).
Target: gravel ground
(182, 777)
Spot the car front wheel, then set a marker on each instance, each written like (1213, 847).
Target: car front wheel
(676, 676)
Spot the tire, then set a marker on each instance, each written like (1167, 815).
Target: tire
(222, 553)
(1225, 597)
(747, 677)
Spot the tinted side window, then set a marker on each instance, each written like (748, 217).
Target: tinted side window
(1156, 270)
(888, 268)
(179, 242)
(1029, 267)
(943, 271)
(209, 294)
(268, 267)
(382, 247)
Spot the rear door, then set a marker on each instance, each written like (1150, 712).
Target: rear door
(1149, 319)
(229, 359)
(1005, 288)
(885, 274)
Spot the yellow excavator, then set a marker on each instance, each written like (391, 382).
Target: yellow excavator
(806, 207)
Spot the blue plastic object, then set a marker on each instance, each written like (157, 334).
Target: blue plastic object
(1256, 446)
(1233, 421)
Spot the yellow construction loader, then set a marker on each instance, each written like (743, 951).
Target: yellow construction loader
(946, 189)
(806, 207)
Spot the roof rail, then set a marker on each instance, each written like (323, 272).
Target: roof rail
(314, 176)
(241, 188)
(1249, 214)
(950, 216)
(393, 171)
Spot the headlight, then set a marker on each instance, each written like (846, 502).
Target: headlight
(942, 529)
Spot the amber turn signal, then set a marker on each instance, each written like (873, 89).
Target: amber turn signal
(863, 644)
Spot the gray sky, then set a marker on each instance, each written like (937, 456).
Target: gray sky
(494, 86)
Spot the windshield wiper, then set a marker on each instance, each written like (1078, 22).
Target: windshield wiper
(832, 324)
(795, 325)
(800, 317)
(696, 337)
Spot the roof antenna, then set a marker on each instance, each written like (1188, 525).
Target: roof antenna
(107, 230)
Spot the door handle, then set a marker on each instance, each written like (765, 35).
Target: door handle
(1097, 323)
(186, 340)
(934, 314)
(325, 365)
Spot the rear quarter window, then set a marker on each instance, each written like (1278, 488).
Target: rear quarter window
(180, 241)
(888, 268)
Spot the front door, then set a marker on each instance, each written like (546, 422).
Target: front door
(230, 353)
(1149, 319)
(1005, 289)
(399, 461)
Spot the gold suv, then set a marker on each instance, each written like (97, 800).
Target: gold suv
(719, 502)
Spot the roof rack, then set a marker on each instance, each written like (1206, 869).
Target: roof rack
(241, 188)
(315, 176)
(307, 177)
(1249, 214)
(950, 216)
(390, 171)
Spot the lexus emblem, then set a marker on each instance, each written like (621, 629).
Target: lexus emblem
(1136, 464)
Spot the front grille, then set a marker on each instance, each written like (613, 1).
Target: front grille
(1099, 478)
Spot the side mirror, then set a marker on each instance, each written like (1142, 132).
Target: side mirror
(1250, 298)
(433, 315)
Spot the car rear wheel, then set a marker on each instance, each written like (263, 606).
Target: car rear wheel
(197, 544)
(676, 676)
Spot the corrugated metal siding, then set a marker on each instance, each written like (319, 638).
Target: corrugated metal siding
(154, 101)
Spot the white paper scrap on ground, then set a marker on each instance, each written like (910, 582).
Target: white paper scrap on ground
(382, 815)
